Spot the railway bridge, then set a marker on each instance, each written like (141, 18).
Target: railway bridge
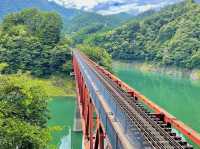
(114, 115)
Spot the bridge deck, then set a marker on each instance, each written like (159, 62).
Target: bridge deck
(125, 121)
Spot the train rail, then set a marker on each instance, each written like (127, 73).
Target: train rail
(156, 132)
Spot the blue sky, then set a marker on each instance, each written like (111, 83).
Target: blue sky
(107, 7)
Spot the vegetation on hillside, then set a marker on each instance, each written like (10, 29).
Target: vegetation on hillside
(57, 85)
(90, 30)
(31, 41)
(97, 54)
(23, 113)
(93, 28)
(169, 37)
(86, 20)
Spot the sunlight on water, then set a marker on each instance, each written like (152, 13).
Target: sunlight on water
(66, 141)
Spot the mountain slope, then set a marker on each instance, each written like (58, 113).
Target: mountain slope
(91, 19)
(73, 19)
(170, 37)
(8, 6)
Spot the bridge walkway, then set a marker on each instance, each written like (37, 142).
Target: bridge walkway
(123, 119)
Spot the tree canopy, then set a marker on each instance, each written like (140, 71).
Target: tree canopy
(169, 37)
(23, 113)
(97, 54)
(31, 41)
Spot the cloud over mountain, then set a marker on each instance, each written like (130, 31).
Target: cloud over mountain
(107, 7)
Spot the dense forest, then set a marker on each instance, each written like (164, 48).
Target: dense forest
(31, 41)
(168, 37)
(88, 20)
(23, 113)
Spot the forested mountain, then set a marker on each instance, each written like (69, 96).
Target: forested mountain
(73, 19)
(91, 28)
(8, 6)
(169, 37)
(86, 20)
(31, 40)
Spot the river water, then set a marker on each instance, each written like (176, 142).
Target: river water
(62, 110)
(179, 96)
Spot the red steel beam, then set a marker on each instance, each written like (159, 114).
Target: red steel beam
(86, 108)
(168, 118)
(99, 139)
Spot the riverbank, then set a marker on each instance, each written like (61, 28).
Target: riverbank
(62, 111)
(61, 91)
(61, 105)
(58, 85)
(164, 70)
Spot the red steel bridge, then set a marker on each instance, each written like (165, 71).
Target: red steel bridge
(114, 115)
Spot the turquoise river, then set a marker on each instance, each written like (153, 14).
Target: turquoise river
(179, 96)
(62, 110)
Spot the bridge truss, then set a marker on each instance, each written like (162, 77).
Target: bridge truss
(116, 116)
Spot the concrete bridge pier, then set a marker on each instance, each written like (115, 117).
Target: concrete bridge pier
(77, 120)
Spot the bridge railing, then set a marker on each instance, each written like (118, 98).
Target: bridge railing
(168, 118)
(95, 86)
(89, 78)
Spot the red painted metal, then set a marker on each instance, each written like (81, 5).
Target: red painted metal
(100, 131)
(99, 139)
(168, 118)
(93, 135)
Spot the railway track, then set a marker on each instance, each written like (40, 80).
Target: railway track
(157, 134)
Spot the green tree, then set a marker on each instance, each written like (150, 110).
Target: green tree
(30, 40)
(97, 54)
(195, 60)
(23, 113)
(168, 37)
(3, 66)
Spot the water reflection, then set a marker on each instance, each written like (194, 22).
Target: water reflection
(66, 141)
(62, 111)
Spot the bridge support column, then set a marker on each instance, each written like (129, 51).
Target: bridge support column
(77, 120)
(99, 139)
(91, 123)
(88, 117)
(93, 134)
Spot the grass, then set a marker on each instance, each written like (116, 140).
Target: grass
(58, 85)
(55, 85)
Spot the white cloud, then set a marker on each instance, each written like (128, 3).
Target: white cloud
(129, 7)
(134, 7)
(107, 7)
(79, 4)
